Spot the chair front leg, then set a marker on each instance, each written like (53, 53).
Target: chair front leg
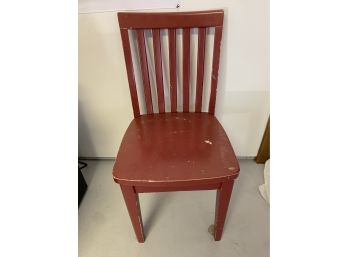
(223, 196)
(132, 201)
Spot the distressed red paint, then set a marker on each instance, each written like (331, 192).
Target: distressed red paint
(174, 151)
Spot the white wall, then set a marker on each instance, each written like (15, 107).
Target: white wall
(243, 97)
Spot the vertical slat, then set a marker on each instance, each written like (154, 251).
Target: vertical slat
(200, 69)
(158, 67)
(144, 70)
(215, 68)
(172, 69)
(186, 69)
(130, 71)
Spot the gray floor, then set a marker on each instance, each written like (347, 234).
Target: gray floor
(175, 224)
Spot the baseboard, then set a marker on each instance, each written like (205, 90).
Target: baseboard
(97, 158)
(113, 158)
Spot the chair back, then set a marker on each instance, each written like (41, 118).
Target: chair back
(157, 23)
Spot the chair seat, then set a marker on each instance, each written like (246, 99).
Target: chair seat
(175, 149)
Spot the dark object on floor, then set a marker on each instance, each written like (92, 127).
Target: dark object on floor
(82, 182)
(162, 152)
(264, 151)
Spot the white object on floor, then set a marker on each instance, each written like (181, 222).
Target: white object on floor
(264, 189)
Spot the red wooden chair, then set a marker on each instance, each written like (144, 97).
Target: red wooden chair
(174, 151)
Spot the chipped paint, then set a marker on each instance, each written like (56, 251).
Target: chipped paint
(179, 180)
(208, 142)
(141, 227)
(231, 168)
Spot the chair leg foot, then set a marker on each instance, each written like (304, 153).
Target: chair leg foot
(223, 196)
(132, 201)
